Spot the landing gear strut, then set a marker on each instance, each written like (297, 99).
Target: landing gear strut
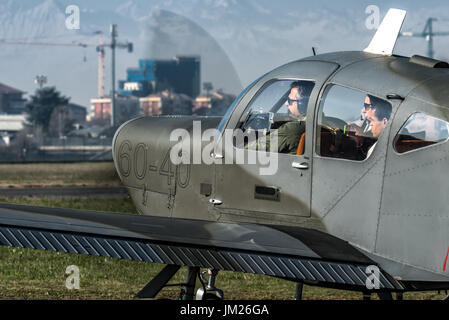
(188, 292)
(158, 282)
(205, 293)
(208, 291)
(299, 289)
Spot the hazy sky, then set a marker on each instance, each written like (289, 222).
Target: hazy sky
(254, 35)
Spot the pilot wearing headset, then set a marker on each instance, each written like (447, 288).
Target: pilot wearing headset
(289, 133)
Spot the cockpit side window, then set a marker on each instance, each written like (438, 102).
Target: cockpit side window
(419, 131)
(278, 110)
(350, 123)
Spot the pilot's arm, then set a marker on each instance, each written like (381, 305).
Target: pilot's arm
(288, 138)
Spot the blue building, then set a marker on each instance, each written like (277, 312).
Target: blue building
(140, 81)
(180, 75)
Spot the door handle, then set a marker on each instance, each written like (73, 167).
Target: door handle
(215, 201)
(301, 166)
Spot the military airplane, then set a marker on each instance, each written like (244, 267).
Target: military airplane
(356, 199)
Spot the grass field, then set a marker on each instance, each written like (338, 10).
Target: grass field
(34, 274)
(58, 174)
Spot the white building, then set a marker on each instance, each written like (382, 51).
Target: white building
(10, 124)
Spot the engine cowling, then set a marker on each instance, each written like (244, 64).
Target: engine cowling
(141, 152)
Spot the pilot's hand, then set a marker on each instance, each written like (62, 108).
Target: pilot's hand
(353, 129)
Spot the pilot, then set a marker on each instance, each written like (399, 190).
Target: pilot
(362, 126)
(290, 132)
(378, 116)
(364, 122)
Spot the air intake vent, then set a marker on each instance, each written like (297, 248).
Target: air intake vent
(428, 62)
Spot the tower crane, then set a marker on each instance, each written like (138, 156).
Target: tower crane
(428, 34)
(100, 47)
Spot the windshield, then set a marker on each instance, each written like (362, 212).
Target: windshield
(226, 116)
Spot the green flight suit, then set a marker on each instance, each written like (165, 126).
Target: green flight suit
(288, 138)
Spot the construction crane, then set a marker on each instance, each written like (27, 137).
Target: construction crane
(428, 34)
(101, 53)
(100, 50)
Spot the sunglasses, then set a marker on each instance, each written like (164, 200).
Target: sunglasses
(291, 101)
(367, 106)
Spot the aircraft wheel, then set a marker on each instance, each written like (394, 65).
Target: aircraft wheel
(211, 296)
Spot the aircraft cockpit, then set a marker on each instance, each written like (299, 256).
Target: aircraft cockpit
(279, 102)
(350, 122)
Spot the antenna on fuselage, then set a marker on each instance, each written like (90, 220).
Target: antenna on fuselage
(387, 34)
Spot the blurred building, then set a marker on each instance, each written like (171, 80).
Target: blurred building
(100, 109)
(11, 100)
(215, 104)
(77, 113)
(166, 103)
(156, 87)
(10, 125)
(180, 74)
(64, 119)
(202, 102)
(125, 108)
(151, 105)
(140, 81)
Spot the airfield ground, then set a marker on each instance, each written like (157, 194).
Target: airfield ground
(33, 274)
(58, 174)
